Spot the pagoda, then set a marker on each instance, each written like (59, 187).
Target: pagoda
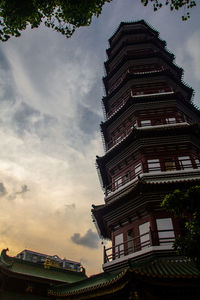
(152, 146)
(151, 136)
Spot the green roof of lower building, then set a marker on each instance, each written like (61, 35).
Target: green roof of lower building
(18, 267)
(173, 268)
(96, 282)
(167, 268)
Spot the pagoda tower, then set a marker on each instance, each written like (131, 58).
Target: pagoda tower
(151, 136)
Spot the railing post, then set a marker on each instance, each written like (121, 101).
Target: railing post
(151, 236)
(104, 254)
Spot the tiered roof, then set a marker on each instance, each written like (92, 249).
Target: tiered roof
(159, 271)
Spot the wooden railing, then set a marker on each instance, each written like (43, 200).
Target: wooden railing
(150, 167)
(143, 241)
(118, 139)
(135, 92)
(154, 121)
(119, 104)
(134, 70)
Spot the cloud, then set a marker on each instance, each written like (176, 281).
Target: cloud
(24, 189)
(194, 52)
(70, 206)
(90, 239)
(2, 190)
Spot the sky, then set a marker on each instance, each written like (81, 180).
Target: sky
(50, 103)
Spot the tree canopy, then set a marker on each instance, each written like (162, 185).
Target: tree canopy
(63, 16)
(186, 205)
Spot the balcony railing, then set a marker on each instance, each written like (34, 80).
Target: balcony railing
(151, 90)
(153, 122)
(118, 139)
(138, 93)
(151, 167)
(119, 104)
(131, 53)
(144, 241)
(140, 70)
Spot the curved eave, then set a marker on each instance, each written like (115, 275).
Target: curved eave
(140, 22)
(103, 283)
(138, 134)
(158, 54)
(97, 214)
(131, 32)
(131, 101)
(145, 183)
(170, 55)
(177, 69)
(166, 72)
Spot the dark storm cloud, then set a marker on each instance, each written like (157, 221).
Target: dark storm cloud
(66, 210)
(23, 117)
(43, 125)
(95, 95)
(27, 118)
(88, 121)
(70, 206)
(2, 190)
(90, 239)
(4, 63)
(7, 83)
(24, 189)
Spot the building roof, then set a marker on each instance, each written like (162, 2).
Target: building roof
(162, 269)
(165, 185)
(128, 24)
(170, 268)
(47, 255)
(13, 266)
(138, 134)
(96, 282)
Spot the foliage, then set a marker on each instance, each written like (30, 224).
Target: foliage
(63, 16)
(174, 5)
(186, 205)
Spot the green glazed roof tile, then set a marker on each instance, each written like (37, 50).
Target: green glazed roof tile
(17, 266)
(92, 283)
(167, 268)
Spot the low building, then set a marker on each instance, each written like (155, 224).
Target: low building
(23, 279)
(40, 258)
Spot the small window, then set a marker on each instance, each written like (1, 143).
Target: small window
(170, 165)
(144, 235)
(170, 120)
(118, 139)
(197, 162)
(119, 246)
(130, 241)
(34, 258)
(135, 124)
(127, 177)
(145, 123)
(153, 165)
(138, 169)
(165, 231)
(118, 182)
(185, 162)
